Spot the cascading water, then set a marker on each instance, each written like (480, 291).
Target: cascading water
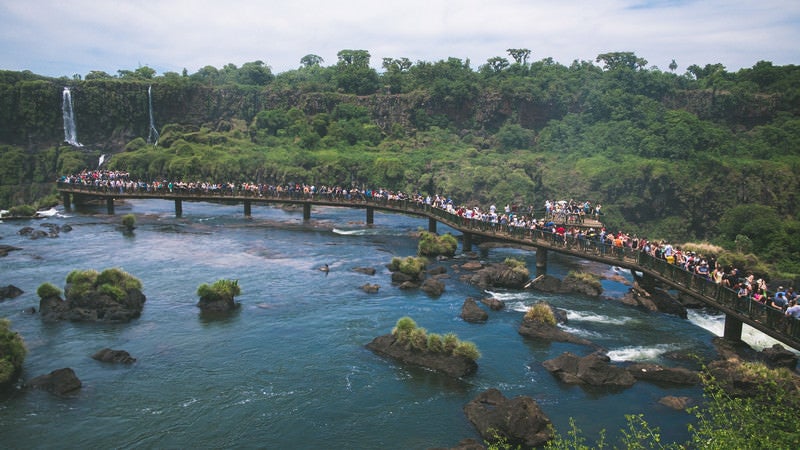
(102, 160)
(70, 132)
(152, 137)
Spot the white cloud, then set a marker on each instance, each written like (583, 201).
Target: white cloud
(53, 37)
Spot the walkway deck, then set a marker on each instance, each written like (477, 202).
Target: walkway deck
(768, 320)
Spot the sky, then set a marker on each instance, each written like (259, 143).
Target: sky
(68, 37)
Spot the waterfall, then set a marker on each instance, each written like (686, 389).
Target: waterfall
(102, 160)
(70, 132)
(152, 138)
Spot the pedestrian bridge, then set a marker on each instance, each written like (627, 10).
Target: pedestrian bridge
(646, 269)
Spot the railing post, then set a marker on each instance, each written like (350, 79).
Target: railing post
(66, 200)
(733, 328)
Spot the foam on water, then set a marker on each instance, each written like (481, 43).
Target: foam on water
(586, 316)
(644, 353)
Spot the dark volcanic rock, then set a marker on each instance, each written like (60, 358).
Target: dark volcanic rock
(493, 303)
(519, 420)
(114, 356)
(546, 283)
(676, 403)
(432, 287)
(370, 288)
(777, 356)
(464, 444)
(10, 291)
(365, 270)
(659, 300)
(59, 382)
(659, 374)
(497, 275)
(593, 370)
(473, 313)
(4, 249)
(538, 330)
(93, 306)
(453, 365)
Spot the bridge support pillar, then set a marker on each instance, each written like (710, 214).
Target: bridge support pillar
(66, 200)
(431, 225)
(247, 208)
(306, 212)
(110, 206)
(370, 215)
(178, 208)
(733, 328)
(541, 261)
(466, 244)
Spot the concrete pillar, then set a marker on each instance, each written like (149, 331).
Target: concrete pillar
(370, 215)
(306, 212)
(178, 208)
(733, 328)
(541, 261)
(431, 224)
(247, 209)
(466, 244)
(66, 200)
(110, 205)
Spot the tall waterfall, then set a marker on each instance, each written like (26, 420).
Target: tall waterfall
(70, 132)
(152, 138)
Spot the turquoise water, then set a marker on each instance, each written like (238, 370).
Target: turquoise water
(289, 369)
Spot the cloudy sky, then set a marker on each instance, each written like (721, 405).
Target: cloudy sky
(66, 37)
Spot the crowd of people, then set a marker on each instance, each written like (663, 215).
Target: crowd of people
(563, 220)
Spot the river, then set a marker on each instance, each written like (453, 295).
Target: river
(289, 368)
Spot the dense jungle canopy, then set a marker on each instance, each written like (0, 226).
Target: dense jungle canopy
(703, 155)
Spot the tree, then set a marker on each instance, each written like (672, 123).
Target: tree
(617, 60)
(311, 60)
(97, 75)
(494, 65)
(356, 58)
(520, 55)
(254, 73)
(673, 65)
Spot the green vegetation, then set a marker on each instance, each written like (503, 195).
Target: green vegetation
(113, 282)
(222, 289)
(22, 211)
(541, 313)
(431, 244)
(585, 277)
(703, 155)
(12, 352)
(410, 265)
(517, 265)
(129, 222)
(406, 331)
(48, 290)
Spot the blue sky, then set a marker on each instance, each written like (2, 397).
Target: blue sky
(62, 38)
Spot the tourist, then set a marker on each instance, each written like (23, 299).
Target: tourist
(793, 311)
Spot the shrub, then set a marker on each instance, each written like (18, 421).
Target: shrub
(403, 328)
(540, 312)
(47, 290)
(450, 342)
(517, 265)
(120, 278)
(418, 339)
(221, 290)
(22, 211)
(467, 349)
(112, 291)
(12, 352)
(586, 277)
(129, 221)
(435, 343)
(431, 244)
(411, 265)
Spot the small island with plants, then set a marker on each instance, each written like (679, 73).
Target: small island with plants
(413, 345)
(219, 296)
(112, 295)
(12, 354)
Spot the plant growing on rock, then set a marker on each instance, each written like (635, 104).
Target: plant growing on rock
(221, 290)
(585, 278)
(410, 265)
(48, 290)
(431, 244)
(12, 352)
(129, 222)
(517, 265)
(540, 312)
(407, 332)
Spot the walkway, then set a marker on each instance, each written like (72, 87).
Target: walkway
(766, 319)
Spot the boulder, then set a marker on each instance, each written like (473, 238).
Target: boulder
(218, 305)
(365, 270)
(114, 356)
(473, 313)
(438, 270)
(452, 365)
(519, 420)
(59, 382)
(659, 300)
(777, 356)
(464, 444)
(493, 303)
(592, 370)
(370, 288)
(9, 291)
(400, 277)
(4, 249)
(472, 265)
(406, 285)
(432, 287)
(93, 306)
(676, 403)
(497, 275)
(659, 374)
(546, 283)
(539, 330)
(581, 285)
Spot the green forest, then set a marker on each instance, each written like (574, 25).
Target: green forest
(707, 155)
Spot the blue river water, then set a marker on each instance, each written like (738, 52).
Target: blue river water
(289, 369)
